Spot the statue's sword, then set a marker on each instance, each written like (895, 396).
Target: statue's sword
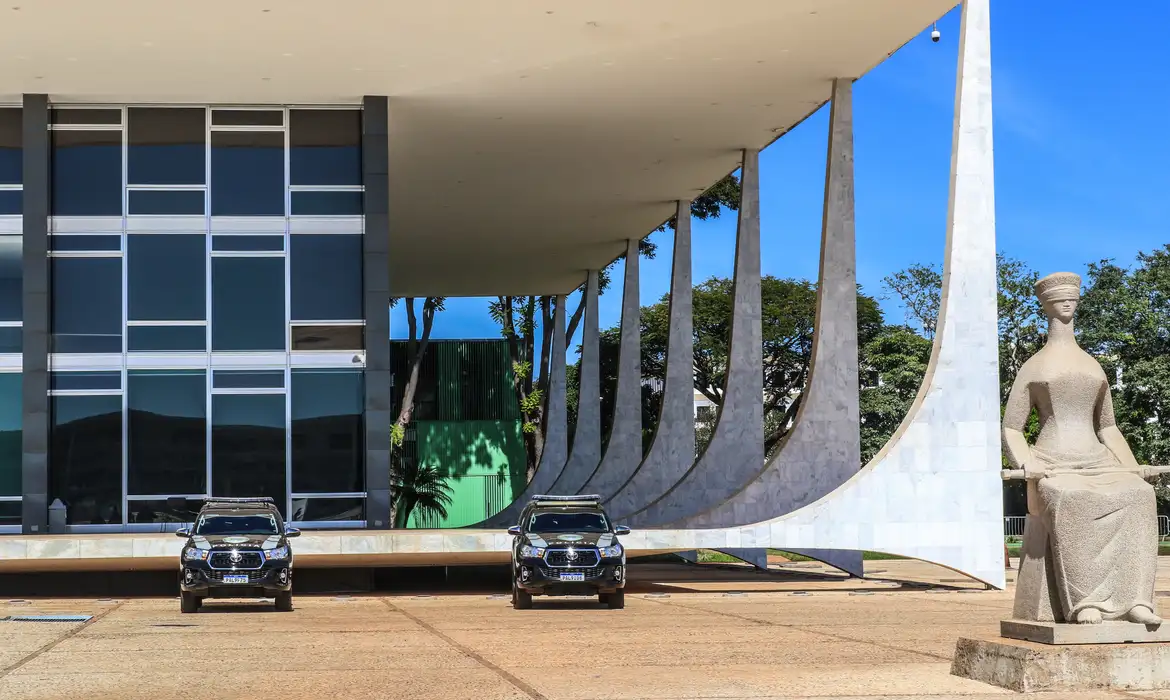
(1013, 474)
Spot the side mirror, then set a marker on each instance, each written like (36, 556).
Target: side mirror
(292, 532)
(514, 530)
(183, 532)
(621, 530)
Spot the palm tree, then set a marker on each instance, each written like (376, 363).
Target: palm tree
(416, 486)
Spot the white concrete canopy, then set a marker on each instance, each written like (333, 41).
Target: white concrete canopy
(529, 139)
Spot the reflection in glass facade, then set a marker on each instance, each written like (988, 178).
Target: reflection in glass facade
(206, 313)
(10, 424)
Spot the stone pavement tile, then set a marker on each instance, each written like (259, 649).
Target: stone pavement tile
(27, 637)
(415, 684)
(752, 681)
(308, 639)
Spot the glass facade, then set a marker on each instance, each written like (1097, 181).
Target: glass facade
(206, 313)
(11, 314)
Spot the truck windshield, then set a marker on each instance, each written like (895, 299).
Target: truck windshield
(568, 522)
(236, 525)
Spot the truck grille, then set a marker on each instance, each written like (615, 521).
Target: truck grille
(223, 560)
(253, 576)
(559, 558)
(591, 572)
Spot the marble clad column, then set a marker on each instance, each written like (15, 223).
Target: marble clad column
(556, 436)
(736, 451)
(623, 450)
(672, 451)
(934, 491)
(823, 449)
(586, 452)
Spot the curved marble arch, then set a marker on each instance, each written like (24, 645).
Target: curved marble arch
(823, 448)
(934, 491)
(586, 451)
(556, 436)
(623, 449)
(736, 450)
(672, 451)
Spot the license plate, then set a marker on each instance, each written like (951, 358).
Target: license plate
(567, 576)
(229, 578)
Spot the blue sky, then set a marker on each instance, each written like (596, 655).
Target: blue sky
(1080, 110)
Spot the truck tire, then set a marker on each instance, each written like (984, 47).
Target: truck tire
(189, 602)
(521, 599)
(284, 602)
(617, 599)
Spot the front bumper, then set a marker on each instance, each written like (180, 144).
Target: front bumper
(272, 577)
(538, 578)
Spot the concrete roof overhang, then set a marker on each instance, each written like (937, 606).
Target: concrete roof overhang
(528, 138)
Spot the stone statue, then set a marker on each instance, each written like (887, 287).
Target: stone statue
(1091, 539)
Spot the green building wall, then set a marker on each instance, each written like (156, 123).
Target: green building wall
(467, 424)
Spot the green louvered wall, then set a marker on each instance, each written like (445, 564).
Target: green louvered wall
(467, 422)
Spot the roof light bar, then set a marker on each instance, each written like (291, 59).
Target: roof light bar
(569, 499)
(259, 499)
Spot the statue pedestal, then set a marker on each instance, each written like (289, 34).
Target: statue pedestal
(1064, 633)
(1026, 666)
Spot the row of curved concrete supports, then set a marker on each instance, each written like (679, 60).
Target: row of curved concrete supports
(937, 476)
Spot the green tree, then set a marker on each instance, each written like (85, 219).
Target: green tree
(417, 487)
(893, 365)
(416, 347)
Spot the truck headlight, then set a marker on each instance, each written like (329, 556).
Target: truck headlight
(611, 552)
(530, 551)
(276, 554)
(195, 554)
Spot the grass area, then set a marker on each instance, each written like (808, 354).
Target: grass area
(707, 556)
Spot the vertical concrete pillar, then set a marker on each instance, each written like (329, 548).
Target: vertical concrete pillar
(586, 451)
(556, 437)
(735, 454)
(35, 261)
(672, 451)
(376, 303)
(623, 450)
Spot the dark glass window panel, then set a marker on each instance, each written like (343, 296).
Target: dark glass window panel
(325, 147)
(248, 379)
(326, 203)
(11, 338)
(327, 448)
(247, 304)
(81, 381)
(10, 512)
(167, 277)
(319, 510)
(167, 432)
(166, 146)
(167, 202)
(87, 304)
(86, 116)
(11, 202)
(85, 458)
(11, 135)
(247, 244)
(247, 446)
(10, 424)
(247, 117)
(87, 173)
(166, 338)
(95, 243)
(328, 337)
(163, 511)
(326, 277)
(247, 173)
(11, 278)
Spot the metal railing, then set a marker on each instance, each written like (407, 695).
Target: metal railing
(1013, 526)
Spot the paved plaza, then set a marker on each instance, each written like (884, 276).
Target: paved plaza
(687, 632)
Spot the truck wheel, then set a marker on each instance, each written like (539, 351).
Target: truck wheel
(188, 602)
(284, 602)
(521, 599)
(603, 598)
(617, 599)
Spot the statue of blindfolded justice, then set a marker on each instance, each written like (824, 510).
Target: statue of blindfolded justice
(1091, 539)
